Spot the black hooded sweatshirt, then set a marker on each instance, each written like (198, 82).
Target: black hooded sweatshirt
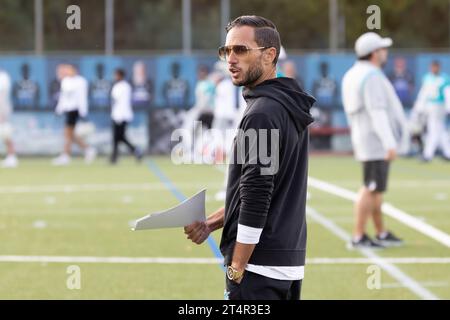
(274, 202)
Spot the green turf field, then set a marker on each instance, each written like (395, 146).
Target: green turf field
(85, 211)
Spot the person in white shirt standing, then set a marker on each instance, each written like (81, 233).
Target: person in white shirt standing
(73, 103)
(5, 127)
(121, 114)
(229, 107)
(431, 105)
(378, 131)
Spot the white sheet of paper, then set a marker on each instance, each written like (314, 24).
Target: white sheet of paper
(187, 212)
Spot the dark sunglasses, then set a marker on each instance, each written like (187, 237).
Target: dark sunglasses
(238, 50)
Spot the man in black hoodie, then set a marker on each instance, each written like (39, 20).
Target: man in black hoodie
(264, 226)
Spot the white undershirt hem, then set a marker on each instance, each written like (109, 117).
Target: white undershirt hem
(248, 235)
(278, 273)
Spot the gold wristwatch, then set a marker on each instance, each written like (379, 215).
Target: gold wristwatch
(233, 274)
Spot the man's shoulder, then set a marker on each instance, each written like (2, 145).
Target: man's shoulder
(265, 106)
(122, 84)
(265, 111)
(446, 78)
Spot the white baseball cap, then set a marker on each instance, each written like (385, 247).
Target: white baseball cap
(369, 42)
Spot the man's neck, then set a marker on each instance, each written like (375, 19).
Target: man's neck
(375, 64)
(270, 74)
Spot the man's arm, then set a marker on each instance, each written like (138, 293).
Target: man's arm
(447, 97)
(84, 100)
(256, 188)
(199, 231)
(377, 105)
(241, 256)
(247, 239)
(215, 221)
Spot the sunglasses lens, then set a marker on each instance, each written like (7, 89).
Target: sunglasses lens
(240, 50)
(225, 51)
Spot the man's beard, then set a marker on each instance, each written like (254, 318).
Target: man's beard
(253, 74)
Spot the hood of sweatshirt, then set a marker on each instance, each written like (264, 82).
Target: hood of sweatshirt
(288, 93)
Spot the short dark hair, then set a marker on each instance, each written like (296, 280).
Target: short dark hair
(367, 57)
(266, 33)
(436, 63)
(121, 73)
(73, 65)
(203, 68)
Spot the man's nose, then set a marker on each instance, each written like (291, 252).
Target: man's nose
(232, 58)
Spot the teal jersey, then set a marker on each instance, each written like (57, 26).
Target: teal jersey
(434, 86)
(207, 87)
(280, 72)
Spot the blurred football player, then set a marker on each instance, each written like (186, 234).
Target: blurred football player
(121, 115)
(5, 127)
(431, 103)
(73, 103)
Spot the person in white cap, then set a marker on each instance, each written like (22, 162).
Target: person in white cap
(5, 127)
(378, 132)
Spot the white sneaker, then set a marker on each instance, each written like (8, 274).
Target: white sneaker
(62, 160)
(90, 155)
(10, 161)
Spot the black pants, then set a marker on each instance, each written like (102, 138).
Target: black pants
(257, 287)
(119, 135)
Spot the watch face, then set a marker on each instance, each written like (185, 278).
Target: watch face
(230, 273)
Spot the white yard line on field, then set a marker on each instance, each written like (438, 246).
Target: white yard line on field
(179, 260)
(96, 187)
(403, 217)
(390, 268)
(108, 260)
(429, 284)
(432, 183)
(400, 215)
(402, 260)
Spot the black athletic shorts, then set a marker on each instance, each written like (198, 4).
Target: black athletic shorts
(206, 118)
(376, 175)
(72, 118)
(257, 287)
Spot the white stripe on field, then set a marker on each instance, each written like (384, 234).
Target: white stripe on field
(96, 187)
(401, 183)
(169, 260)
(391, 269)
(127, 260)
(388, 209)
(436, 284)
(406, 260)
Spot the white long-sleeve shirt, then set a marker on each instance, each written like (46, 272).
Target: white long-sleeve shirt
(250, 235)
(73, 95)
(121, 95)
(374, 111)
(5, 96)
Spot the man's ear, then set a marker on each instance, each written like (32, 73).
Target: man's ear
(269, 55)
